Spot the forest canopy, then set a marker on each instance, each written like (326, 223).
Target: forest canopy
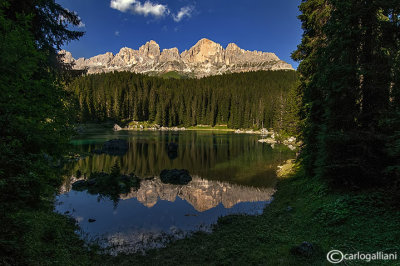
(243, 100)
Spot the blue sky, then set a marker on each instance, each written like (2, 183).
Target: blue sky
(264, 25)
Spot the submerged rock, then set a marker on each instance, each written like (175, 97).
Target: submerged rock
(91, 182)
(79, 185)
(172, 147)
(114, 147)
(175, 176)
(172, 150)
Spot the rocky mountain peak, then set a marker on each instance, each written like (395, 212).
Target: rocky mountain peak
(151, 50)
(205, 50)
(125, 56)
(205, 41)
(232, 47)
(205, 58)
(171, 54)
(100, 60)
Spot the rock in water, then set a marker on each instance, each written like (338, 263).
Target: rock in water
(175, 176)
(114, 147)
(172, 147)
(172, 150)
(117, 127)
(79, 185)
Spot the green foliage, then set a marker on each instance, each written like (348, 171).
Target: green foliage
(245, 100)
(287, 113)
(34, 130)
(392, 126)
(49, 26)
(314, 14)
(35, 237)
(349, 81)
(173, 75)
(34, 124)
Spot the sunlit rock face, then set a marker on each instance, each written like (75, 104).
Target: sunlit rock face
(150, 51)
(125, 58)
(204, 51)
(170, 55)
(205, 58)
(202, 194)
(67, 56)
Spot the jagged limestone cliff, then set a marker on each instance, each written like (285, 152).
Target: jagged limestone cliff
(205, 58)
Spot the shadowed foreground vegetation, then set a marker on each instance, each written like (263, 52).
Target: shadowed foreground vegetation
(304, 209)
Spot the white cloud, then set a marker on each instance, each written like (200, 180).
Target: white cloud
(136, 7)
(116, 33)
(185, 11)
(150, 8)
(156, 10)
(122, 5)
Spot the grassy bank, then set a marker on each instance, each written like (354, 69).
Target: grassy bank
(303, 210)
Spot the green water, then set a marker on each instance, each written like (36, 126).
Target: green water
(223, 156)
(231, 174)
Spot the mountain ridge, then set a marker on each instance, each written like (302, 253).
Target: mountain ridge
(205, 58)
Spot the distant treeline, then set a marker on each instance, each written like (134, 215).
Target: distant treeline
(243, 100)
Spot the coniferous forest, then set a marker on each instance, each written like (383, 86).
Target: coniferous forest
(350, 58)
(243, 100)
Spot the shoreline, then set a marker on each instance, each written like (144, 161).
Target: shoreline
(179, 129)
(300, 226)
(224, 128)
(267, 136)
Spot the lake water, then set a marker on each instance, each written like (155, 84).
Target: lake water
(231, 174)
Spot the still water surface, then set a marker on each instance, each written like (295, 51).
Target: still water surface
(231, 174)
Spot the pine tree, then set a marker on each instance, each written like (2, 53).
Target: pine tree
(347, 79)
(314, 15)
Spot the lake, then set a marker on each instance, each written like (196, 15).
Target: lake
(231, 174)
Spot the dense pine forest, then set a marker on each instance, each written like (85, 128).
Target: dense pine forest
(243, 100)
(350, 81)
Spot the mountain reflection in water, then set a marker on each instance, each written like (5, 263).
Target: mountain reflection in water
(231, 174)
(158, 212)
(200, 193)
